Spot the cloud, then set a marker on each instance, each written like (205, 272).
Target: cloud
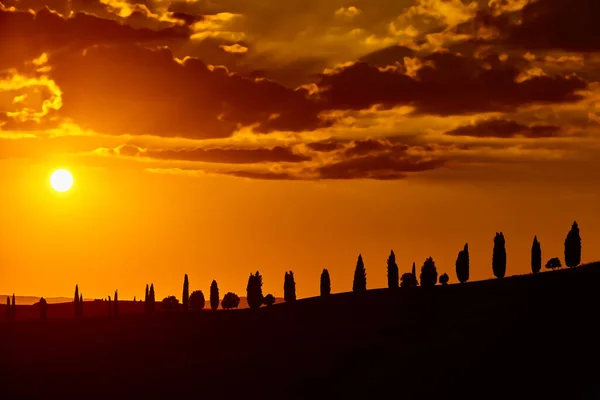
(134, 90)
(502, 128)
(445, 84)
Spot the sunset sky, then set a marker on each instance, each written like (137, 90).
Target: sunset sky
(221, 137)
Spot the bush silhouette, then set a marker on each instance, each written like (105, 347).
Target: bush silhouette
(429, 275)
(43, 307)
(254, 290)
(499, 256)
(553, 263)
(269, 300)
(197, 300)
(325, 283)
(444, 279)
(536, 256)
(170, 303)
(230, 300)
(289, 287)
(185, 298)
(462, 264)
(392, 271)
(408, 280)
(360, 276)
(573, 247)
(414, 273)
(214, 295)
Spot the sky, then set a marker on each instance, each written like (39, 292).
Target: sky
(217, 138)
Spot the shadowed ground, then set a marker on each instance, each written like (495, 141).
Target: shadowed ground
(524, 336)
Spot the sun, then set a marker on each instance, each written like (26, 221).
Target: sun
(61, 180)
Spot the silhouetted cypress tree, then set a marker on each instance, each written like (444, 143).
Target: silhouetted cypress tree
(573, 247)
(147, 300)
(76, 301)
(81, 304)
(116, 305)
(536, 256)
(325, 283)
(499, 256)
(8, 309)
(429, 275)
(185, 298)
(289, 287)
(214, 295)
(152, 298)
(462, 265)
(393, 274)
(13, 313)
(254, 293)
(360, 276)
(414, 274)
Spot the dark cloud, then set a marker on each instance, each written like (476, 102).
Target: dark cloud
(387, 56)
(264, 175)
(446, 84)
(558, 24)
(325, 146)
(26, 35)
(502, 128)
(130, 89)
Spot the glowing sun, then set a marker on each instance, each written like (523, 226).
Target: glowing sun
(61, 180)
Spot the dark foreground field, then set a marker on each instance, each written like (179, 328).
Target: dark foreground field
(520, 337)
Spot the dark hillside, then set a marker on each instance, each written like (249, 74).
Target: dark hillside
(524, 336)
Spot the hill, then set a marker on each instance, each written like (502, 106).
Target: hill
(523, 336)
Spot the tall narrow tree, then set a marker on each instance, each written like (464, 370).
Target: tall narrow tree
(185, 298)
(214, 295)
(393, 275)
(147, 299)
(325, 283)
(536, 256)
(13, 313)
(76, 301)
(573, 247)
(414, 274)
(289, 287)
(116, 305)
(499, 256)
(359, 283)
(152, 296)
(254, 293)
(462, 264)
(81, 304)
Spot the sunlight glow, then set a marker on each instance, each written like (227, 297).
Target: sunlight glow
(61, 180)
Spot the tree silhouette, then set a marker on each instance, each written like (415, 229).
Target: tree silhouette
(214, 295)
(76, 301)
(360, 276)
(392, 271)
(269, 300)
(43, 306)
(462, 264)
(185, 298)
(408, 280)
(536, 256)
(197, 300)
(147, 300)
(8, 309)
(254, 290)
(414, 273)
(170, 303)
(325, 283)
(444, 279)
(553, 263)
(81, 304)
(152, 299)
(573, 247)
(429, 275)
(499, 256)
(289, 287)
(13, 311)
(116, 304)
(230, 300)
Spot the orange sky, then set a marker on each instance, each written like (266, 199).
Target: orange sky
(216, 139)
